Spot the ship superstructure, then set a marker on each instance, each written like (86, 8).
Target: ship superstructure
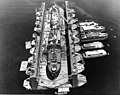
(56, 61)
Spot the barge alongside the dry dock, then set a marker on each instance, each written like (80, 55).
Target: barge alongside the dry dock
(93, 45)
(56, 61)
(93, 36)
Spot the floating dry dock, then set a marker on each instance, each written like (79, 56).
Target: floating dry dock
(56, 62)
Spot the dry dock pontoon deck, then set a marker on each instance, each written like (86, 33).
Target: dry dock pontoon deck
(56, 61)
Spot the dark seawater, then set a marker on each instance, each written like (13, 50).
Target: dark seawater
(17, 19)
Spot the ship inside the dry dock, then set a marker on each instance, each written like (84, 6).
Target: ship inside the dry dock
(59, 38)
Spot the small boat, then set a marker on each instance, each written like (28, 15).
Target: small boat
(72, 21)
(74, 26)
(78, 65)
(37, 29)
(78, 68)
(71, 14)
(32, 50)
(38, 12)
(26, 84)
(77, 48)
(71, 10)
(75, 32)
(94, 53)
(33, 42)
(78, 57)
(28, 45)
(76, 40)
(30, 59)
(34, 35)
(23, 65)
(81, 80)
(92, 45)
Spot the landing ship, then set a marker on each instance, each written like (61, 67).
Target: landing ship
(56, 61)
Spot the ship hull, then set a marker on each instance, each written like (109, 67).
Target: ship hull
(50, 75)
(94, 39)
(96, 56)
(94, 53)
(93, 45)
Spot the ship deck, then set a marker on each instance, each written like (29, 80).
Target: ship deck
(46, 82)
(62, 78)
